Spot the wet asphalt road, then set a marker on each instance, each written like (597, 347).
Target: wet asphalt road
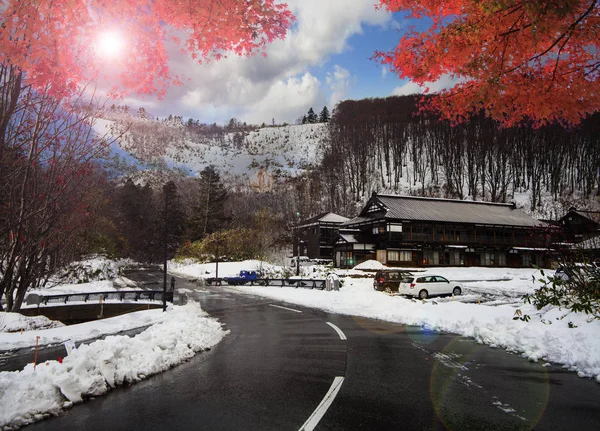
(276, 366)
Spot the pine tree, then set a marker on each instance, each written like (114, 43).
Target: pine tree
(311, 116)
(174, 221)
(208, 214)
(324, 115)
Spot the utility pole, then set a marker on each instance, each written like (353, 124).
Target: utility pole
(297, 243)
(165, 251)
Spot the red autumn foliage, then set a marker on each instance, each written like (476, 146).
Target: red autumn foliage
(516, 60)
(56, 41)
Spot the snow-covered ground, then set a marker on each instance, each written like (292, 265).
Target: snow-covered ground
(485, 312)
(92, 370)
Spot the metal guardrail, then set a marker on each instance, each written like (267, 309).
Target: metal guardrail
(122, 295)
(307, 283)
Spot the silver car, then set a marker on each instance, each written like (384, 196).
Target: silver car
(425, 285)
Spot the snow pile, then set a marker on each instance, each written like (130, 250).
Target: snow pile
(63, 289)
(92, 370)
(546, 337)
(370, 265)
(82, 331)
(15, 322)
(94, 268)
(552, 335)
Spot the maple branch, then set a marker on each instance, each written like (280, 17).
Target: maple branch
(567, 33)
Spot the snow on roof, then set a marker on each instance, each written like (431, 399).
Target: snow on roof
(349, 238)
(589, 244)
(334, 218)
(450, 210)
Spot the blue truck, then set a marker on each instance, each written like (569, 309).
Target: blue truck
(242, 278)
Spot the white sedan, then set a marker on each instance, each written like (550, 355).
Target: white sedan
(425, 285)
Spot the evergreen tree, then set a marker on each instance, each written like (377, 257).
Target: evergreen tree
(138, 221)
(208, 214)
(175, 218)
(324, 115)
(304, 120)
(311, 117)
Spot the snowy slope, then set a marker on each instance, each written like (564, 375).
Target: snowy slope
(267, 153)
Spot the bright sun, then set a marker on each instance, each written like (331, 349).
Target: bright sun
(110, 43)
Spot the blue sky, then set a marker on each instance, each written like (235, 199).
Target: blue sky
(324, 59)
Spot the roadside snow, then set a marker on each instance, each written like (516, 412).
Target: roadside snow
(15, 322)
(91, 370)
(546, 337)
(82, 331)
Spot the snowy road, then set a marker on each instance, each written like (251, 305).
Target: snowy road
(282, 367)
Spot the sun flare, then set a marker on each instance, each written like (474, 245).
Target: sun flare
(110, 43)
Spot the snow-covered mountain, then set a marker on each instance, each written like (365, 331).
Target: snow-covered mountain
(277, 151)
(257, 157)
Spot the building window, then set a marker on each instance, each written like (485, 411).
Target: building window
(501, 259)
(431, 257)
(400, 255)
(526, 260)
(487, 259)
(457, 258)
(346, 259)
(395, 227)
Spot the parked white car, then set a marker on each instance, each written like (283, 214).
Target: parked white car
(425, 285)
(576, 271)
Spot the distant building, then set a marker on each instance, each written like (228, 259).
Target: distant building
(313, 237)
(415, 231)
(580, 225)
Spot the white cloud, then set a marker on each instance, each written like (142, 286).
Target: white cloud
(256, 89)
(340, 81)
(410, 87)
(287, 100)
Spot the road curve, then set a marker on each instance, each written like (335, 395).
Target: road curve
(282, 362)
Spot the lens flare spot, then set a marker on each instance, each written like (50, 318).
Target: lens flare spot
(110, 43)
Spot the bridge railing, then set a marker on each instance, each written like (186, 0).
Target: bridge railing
(307, 283)
(120, 295)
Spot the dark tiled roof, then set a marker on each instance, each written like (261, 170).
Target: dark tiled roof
(452, 211)
(593, 216)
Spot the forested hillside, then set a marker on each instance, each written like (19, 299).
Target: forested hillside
(382, 145)
(385, 144)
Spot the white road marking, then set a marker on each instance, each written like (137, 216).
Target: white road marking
(285, 308)
(338, 330)
(321, 409)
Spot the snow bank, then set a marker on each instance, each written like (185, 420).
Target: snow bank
(546, 337)
(15, 322)
(370, 264)
(31, 394)
(82, 331)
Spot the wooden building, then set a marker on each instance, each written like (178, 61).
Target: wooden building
(415, 231)
(313, 237)
(579, 225)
